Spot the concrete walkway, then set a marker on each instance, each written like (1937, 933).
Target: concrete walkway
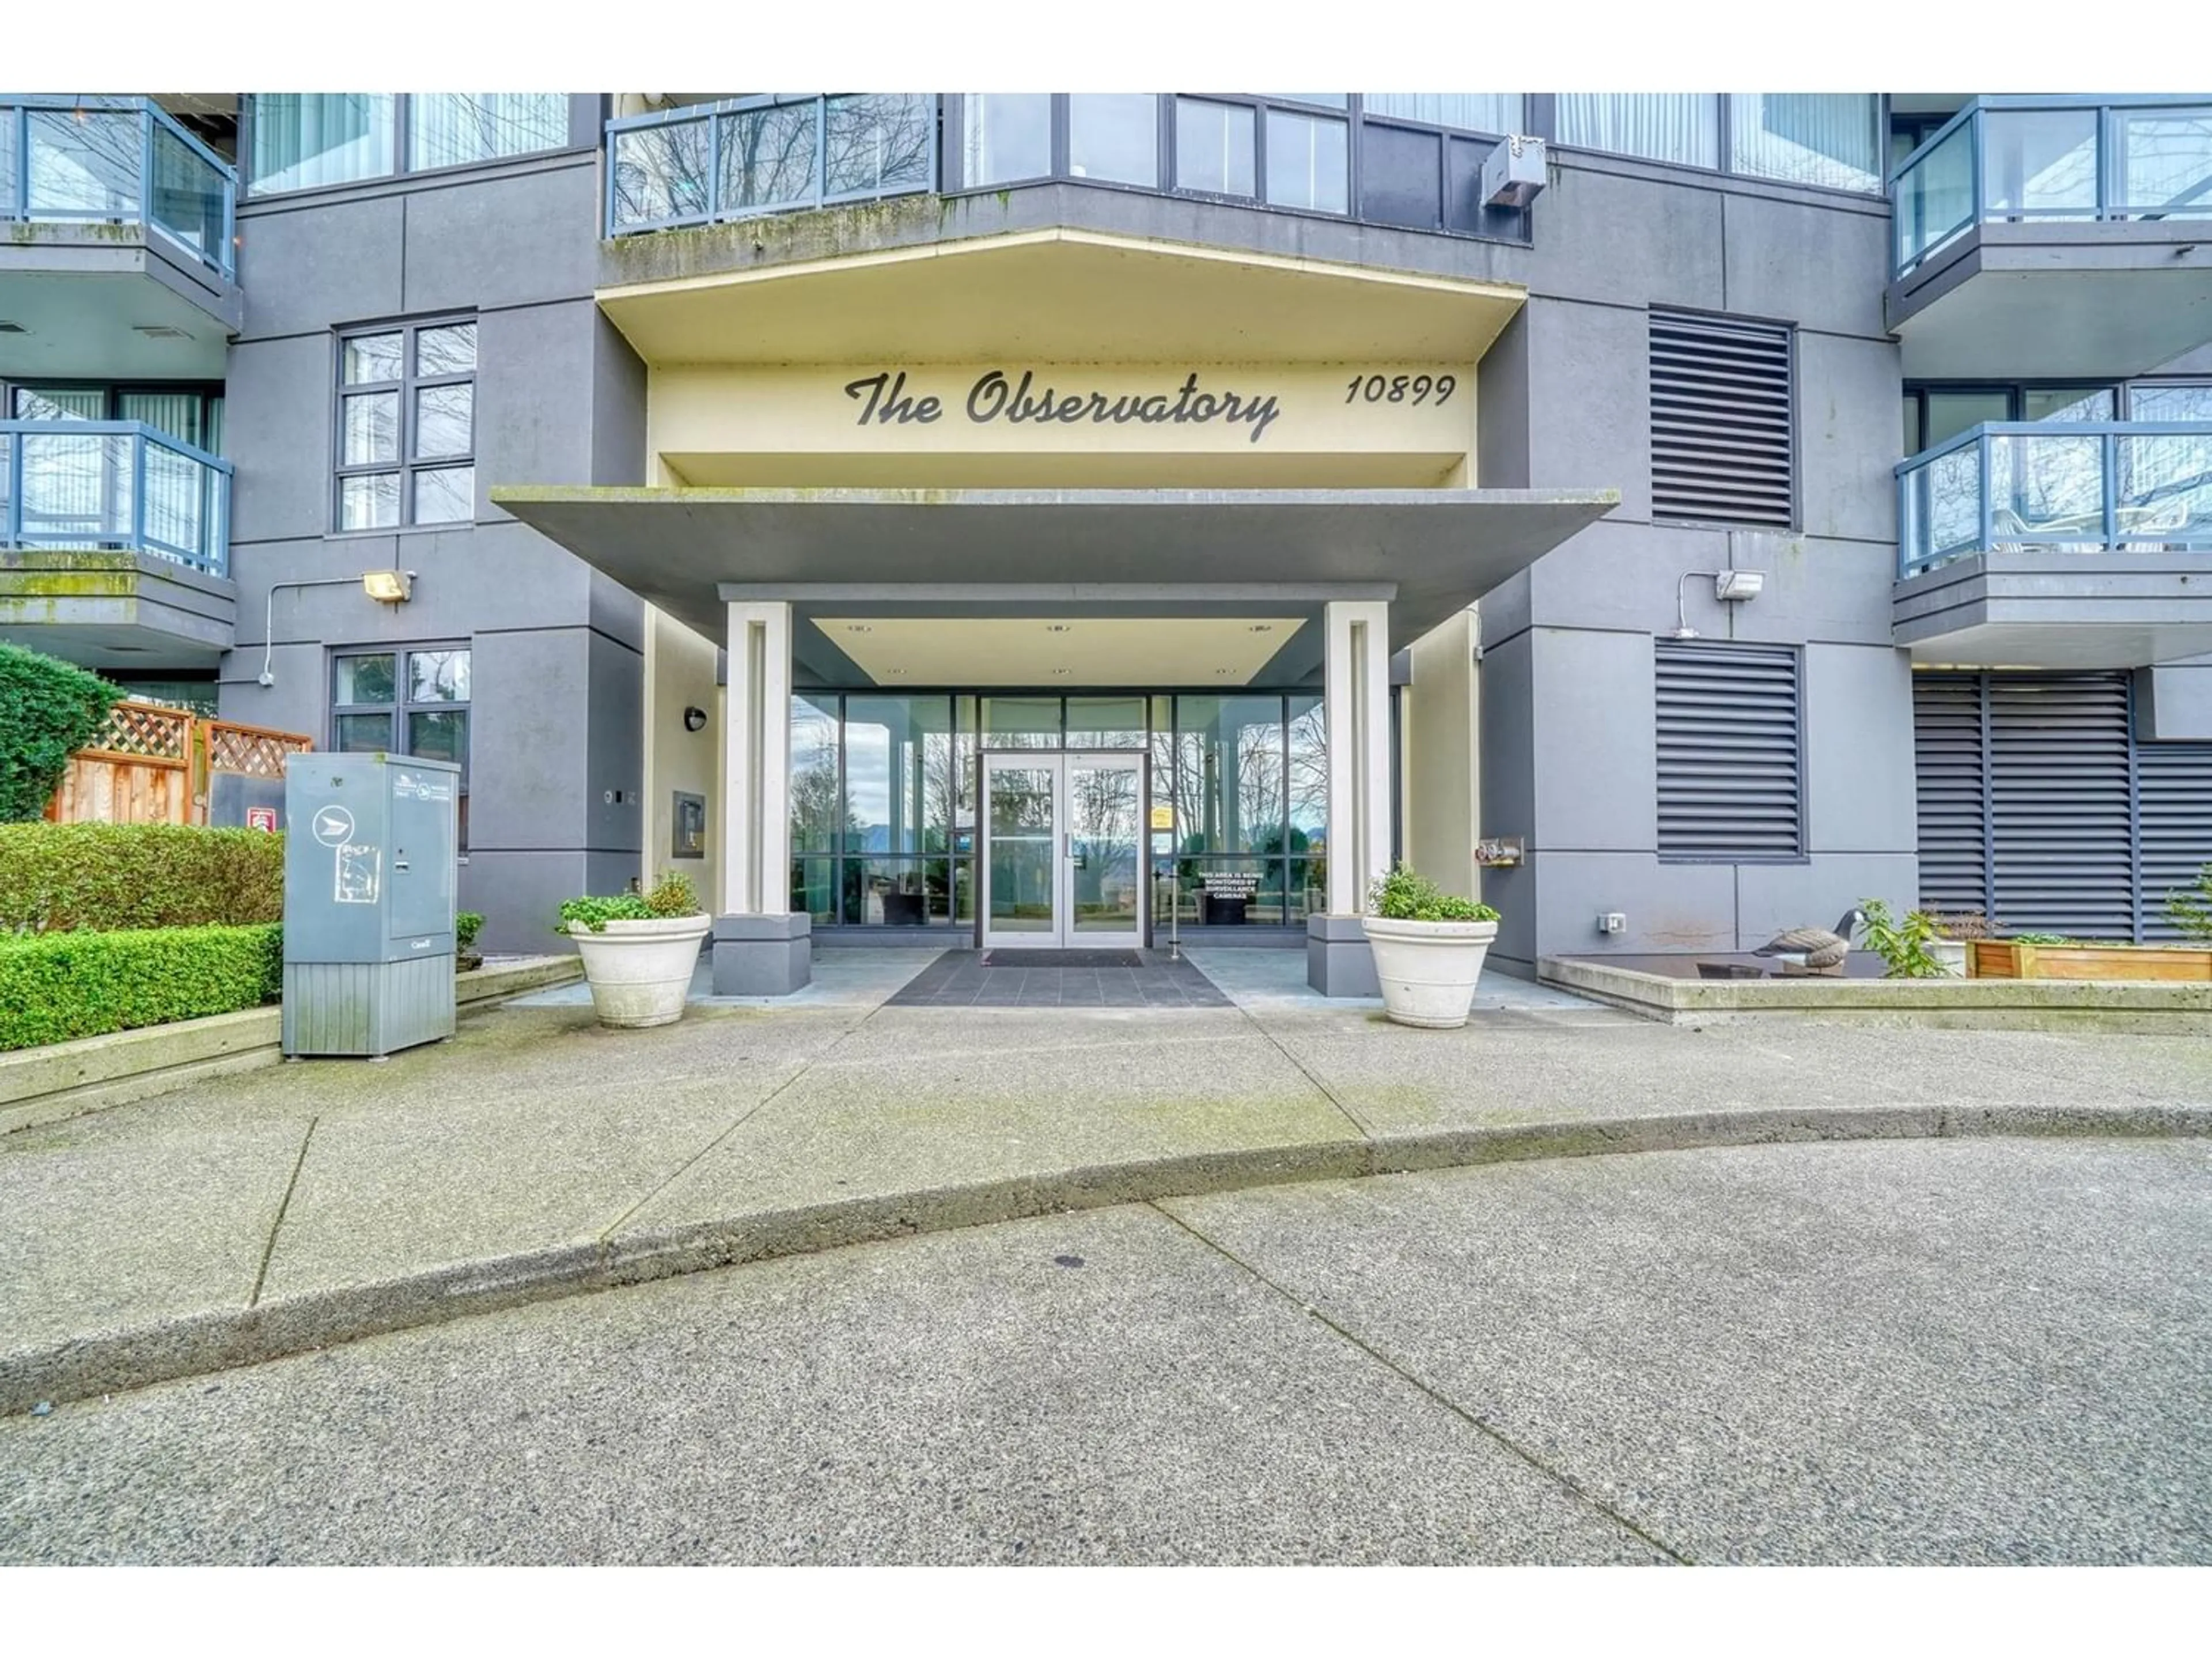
(536, 1154)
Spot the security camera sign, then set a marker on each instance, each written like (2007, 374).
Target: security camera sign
(333, 826)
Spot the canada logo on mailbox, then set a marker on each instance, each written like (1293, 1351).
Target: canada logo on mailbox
(261, 817)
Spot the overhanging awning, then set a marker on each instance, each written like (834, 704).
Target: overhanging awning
(1436, 550)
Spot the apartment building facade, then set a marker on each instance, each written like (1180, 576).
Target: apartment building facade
(945, 519)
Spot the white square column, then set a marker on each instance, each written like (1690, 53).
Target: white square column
(760, 948)
(1357, 701)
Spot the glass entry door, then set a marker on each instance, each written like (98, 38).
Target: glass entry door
(1063, 855)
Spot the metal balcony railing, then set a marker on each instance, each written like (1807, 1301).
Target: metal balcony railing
(120, 484)
(115, 161)
(2019, 160)
(703, 164)
(2071, 486)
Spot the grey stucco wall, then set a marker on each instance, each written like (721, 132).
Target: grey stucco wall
(557, 663)
(1569, 727)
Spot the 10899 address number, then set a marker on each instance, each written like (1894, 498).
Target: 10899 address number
(1400, 388)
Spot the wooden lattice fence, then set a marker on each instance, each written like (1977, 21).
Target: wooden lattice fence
(156, 765)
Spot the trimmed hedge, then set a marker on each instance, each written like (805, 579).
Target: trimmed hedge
(54, 987)
(48, 708)
(55, 876)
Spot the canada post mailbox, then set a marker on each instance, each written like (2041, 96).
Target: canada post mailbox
(370, 855)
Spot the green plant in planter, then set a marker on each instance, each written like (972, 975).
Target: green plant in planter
(1902, 945)
(672, 896)
(467, 924)
(1404, 895)
(2190, 908)
(2035, 939)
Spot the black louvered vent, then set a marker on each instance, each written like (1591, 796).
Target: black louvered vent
(2039, 809)
(1947, 742)
(2174, 785)
(1722, 448)
(1729, 773)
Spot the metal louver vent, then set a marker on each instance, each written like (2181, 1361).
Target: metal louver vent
(1730, 778)
(1724, 448)
(2039, 808)
(2174, 789)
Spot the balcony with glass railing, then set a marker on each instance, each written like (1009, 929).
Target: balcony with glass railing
(114, 486)
(2095, 487)
(2072, 207)
(94, 162)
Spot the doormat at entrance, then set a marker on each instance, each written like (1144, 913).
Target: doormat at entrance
(1063, 959)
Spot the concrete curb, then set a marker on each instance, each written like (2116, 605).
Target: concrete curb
(108, 1362)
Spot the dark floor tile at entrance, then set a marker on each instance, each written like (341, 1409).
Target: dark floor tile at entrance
(961, 979)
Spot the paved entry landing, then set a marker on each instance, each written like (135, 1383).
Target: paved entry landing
(1005, 979)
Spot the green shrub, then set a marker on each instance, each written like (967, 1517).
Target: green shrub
(673, 895)
(2190, 908)
(54, 987)
(55, 876)
(467, 924)
(1406, 896)
(1902, 945)
(48, 708)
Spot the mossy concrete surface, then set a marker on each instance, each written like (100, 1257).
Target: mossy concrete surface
(65, 1080)
(2016, 1004)
(537, 1154)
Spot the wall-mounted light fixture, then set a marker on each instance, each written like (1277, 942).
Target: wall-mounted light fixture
(392, 586)
(1729, 588)
(695, 720)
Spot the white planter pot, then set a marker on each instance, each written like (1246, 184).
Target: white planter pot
(1952, 953)
(639, 971)
(1428, 968)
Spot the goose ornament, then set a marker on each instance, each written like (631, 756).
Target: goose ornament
(1816, 950)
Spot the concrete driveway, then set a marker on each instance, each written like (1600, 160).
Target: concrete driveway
(1984, 1350)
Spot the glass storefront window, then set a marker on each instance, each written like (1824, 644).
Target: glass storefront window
(1105, 722)
(1309, 777)
(1114, 136)
(1021, 722)
(814, 888)
(900, 776)
(896, 892)
(1228, 774)
(816, 812)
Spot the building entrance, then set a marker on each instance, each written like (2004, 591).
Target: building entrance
(1063, 864)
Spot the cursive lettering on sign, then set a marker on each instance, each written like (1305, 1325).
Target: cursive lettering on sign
(996, 396)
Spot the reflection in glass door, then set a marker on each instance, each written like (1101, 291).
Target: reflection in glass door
(1105, 802)
(1021, 816)
(1063, 860)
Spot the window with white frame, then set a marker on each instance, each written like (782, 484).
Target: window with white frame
(406, 425)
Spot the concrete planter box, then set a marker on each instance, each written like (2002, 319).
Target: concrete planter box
(2004, 958)
(1429, 969)
(640, 971)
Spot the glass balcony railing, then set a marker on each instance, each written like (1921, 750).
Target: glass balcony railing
(703, 164)
(115, 161)
(119, 484)
(2014, 160)
(2087, 487)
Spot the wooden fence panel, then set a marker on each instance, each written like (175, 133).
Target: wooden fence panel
(153, 765)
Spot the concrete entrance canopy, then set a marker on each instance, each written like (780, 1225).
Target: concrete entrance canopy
(1431, 552)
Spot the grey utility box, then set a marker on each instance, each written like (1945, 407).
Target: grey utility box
(371, 848)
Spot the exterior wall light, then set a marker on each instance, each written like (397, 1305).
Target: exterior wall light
(695, 720)
(392, 586)
(1729, 586)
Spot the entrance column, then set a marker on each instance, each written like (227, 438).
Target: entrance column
(760, 948)
(1357, 703)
